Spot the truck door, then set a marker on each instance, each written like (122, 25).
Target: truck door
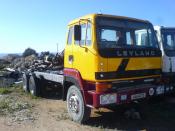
(68, 61)
(81, 51)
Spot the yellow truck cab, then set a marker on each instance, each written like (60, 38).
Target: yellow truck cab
(105, 60)
(100, 53)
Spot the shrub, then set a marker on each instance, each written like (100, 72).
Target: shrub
(29, 52)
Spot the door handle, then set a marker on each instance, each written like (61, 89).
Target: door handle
(71, 59)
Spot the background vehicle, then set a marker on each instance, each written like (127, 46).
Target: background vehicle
(104, 64)
(166, 38)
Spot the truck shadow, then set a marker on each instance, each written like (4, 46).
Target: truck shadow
(52, 93)
(156, 114)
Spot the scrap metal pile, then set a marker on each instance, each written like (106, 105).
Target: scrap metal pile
(48, 62)
(12, 71)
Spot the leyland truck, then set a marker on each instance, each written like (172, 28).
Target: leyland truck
(105, 63)
(166, 39)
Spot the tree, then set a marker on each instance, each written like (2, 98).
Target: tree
(29, 52)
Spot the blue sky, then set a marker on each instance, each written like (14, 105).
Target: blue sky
(41, 24)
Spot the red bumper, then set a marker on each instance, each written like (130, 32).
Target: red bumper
(126, 95)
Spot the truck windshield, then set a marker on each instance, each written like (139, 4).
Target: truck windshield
(168, 38)
(114, 34)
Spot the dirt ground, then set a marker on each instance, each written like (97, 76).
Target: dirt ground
(50, 114)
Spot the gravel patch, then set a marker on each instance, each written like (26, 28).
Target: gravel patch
(59, 115)
(18, 111)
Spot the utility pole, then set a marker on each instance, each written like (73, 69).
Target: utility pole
(57, 47)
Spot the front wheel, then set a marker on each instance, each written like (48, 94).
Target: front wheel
(77, 110)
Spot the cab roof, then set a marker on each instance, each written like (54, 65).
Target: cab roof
(91, 16)
(164, 27)
(168, 28)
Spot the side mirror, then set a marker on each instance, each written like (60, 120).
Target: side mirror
(77, 32)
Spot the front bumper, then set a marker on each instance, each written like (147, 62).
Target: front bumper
(126, 95)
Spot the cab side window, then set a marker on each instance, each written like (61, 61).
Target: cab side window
(85, 35)
(88, 35)
(69, 41)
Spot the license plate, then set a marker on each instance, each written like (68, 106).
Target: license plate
(138, 96)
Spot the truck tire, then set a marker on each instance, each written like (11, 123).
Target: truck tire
(34, 86)
(77, 110)
(42, 85)
(25, 78)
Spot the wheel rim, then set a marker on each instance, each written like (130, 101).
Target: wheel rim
(32, 91)
(24, 84)
(31, 88)
(73, 103)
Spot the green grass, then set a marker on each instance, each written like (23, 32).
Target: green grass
(18, 89)
(14, 88)
(5, 91)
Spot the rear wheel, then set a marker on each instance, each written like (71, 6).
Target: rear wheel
(34, 85)
(25, 82)
(42, 85)
(77, 110)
